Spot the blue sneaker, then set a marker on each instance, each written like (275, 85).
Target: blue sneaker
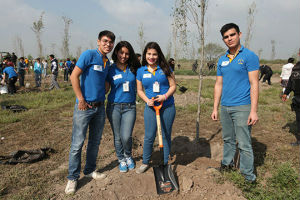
(130, 163)
(123, 167)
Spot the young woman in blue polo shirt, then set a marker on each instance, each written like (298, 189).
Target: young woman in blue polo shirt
(121, 108)
(158, 81)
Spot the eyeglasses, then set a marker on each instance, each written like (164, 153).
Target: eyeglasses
(227, 36)
(109, 42)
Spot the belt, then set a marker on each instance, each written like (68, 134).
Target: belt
(123, 104)
(96, 104)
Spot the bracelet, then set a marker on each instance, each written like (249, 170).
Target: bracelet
(165, 96)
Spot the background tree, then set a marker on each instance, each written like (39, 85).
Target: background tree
(18, 46)
(273, 54)
(37, 28)
(250, 23)
(53, 46)
(66, 37)
(78, 51)
(213, 51)
(141, 37)
(260, 51)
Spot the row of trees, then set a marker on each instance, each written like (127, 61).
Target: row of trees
(37, 28)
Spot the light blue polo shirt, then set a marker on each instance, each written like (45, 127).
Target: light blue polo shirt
(148, 79)
(92, 80)
(9, 70)
(236, 85)
(117, 78)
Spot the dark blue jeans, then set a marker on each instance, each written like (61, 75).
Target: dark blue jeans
(235, 128)
(122, 119)
(167, 116)
(94, 119)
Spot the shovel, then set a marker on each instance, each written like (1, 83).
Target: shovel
(182, 88)
(164, 176)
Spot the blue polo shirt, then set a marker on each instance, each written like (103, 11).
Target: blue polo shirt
(117, 78)
(68, 63)
(9, 70)
(148, 79)
(92, 79)
(236, 85)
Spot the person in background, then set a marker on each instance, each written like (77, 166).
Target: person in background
(10, 76)
(294, 85)
(158, 81)
(172, 63)
(14, 59)
(54, 71)
(139, 57)
(266, 72)
(72, 66)
(67, 67)
(121, 108)
(88, 82)
(286, 73)
(45, 67)
(237, 88)
(21, 71)
(38, 72)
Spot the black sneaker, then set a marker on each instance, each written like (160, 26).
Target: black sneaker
(225, 168)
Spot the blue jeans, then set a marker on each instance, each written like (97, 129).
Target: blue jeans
(122, 118)
(167, 116)
(235, 128)
(94, 119)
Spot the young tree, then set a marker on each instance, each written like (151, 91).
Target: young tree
(37, 28)
(78, 51)
(194, 11)
(66, 37)
(273, 54)
(250, 19)
(53, 46)
(260, 51)
(141, 36)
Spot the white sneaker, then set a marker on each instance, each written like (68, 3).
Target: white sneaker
(96, 175)
(71, 187)
(142, 168)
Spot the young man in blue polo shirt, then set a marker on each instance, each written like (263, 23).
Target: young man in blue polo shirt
(237, 88)
(9, 75)
(88, 82)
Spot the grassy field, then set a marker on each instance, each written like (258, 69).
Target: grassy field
(48, 123)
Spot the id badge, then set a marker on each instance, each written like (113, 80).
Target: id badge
(126, 86)
(156, 87)
(98, 68)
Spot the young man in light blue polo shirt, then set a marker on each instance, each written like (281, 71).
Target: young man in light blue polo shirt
(237, 88)
(88, 82)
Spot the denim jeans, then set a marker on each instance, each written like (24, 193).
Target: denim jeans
(38, 79)
(235, 128)
(94, 119)
(122, 119)
(167, 116)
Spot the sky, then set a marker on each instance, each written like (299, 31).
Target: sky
(274, 20)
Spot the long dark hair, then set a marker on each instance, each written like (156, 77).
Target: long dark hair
(132, 61)
(161, 58)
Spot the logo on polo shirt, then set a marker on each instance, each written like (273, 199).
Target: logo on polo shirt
(240, 61)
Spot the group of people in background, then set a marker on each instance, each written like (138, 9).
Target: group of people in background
(17, 70)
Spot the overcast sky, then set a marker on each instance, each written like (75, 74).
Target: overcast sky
(274, 20)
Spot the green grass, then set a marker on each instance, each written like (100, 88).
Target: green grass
(283, 184)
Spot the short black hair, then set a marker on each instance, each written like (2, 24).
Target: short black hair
(291, 60)
(226, 27)
(108, 34)
(21, 58)
(138, 55)
(51, 55)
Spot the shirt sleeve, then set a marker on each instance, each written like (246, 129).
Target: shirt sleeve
(83, 60)
(219, 73)
(252, 62)
(139, 74)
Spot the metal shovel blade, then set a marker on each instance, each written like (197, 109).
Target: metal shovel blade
(164, 179)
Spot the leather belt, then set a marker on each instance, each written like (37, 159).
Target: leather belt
(96, 104)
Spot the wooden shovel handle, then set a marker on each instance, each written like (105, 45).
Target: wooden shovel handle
(160, 140)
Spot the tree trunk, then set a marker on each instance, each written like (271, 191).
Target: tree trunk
(200, 68)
